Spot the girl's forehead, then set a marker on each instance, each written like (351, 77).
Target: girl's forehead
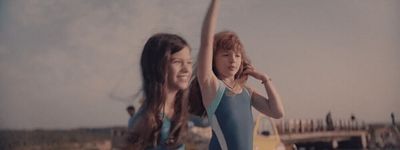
(236, 51)
(182, 54)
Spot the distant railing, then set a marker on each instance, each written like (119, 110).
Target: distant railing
(291, 126)
(295, 131)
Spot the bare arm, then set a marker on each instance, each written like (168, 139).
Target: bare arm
(271, 106)
(207, 79)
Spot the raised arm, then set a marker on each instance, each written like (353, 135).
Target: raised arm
(205, 56)
(205, 75)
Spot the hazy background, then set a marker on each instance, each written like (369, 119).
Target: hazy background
(74, 63)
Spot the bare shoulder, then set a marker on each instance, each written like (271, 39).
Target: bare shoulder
(249, 89)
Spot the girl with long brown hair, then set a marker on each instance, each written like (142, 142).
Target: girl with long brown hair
(161, 121)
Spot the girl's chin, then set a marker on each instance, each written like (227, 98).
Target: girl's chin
(183, 86)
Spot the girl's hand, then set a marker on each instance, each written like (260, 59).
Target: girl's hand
(251, 71)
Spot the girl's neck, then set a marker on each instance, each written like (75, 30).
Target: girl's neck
(228, 79)
(230, 82)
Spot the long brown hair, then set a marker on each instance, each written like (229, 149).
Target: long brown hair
(154, 60)
(223, 41)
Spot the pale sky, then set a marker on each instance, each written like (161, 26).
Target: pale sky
(69, 64)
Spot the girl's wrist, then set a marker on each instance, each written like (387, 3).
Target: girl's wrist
(266, 80)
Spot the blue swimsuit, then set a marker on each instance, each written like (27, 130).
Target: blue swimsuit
(231, 120)
(165, 128)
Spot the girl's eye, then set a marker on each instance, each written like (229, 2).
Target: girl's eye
(176, 62)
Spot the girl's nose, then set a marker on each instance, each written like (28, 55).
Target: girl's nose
(187, 67)
(231, 58)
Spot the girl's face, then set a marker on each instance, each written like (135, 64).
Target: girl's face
(179, 69)
(227, 63)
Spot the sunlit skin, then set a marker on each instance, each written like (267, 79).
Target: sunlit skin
(179, 70)
(227, 63)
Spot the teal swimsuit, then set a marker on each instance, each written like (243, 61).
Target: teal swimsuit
(165, 128)
(231, 120)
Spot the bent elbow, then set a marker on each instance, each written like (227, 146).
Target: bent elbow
(278, 115)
